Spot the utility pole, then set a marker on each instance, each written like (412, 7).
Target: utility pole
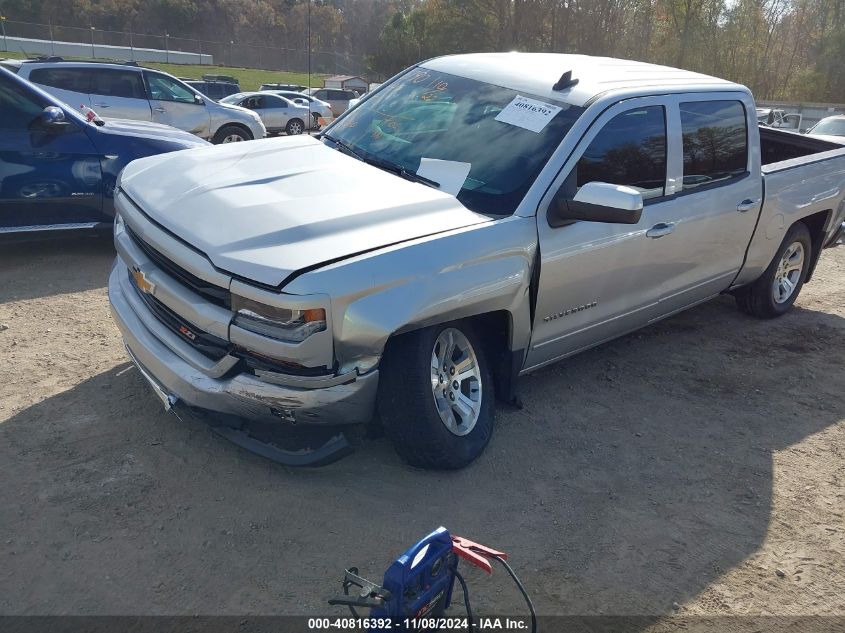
(167, 47)
(309, 44)
(93, 53)
(3, 26)
(310, 116)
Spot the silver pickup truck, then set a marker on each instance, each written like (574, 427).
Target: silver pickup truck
(475, 218)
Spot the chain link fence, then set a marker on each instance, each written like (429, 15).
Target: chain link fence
(35, 39)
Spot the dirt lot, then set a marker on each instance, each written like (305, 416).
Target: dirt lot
(673, 471)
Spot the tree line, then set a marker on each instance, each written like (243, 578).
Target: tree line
(781, 49)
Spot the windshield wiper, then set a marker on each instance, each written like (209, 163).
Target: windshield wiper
(386, 165)
(346, 148)
(399, 170)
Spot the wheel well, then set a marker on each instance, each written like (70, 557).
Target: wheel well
(815, 224)
(240, 126)
(494, 329)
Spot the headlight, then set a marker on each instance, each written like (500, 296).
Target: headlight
(119, 226)
(283, 324)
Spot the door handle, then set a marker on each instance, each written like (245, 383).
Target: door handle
(102, 105)
(660, 229)
(746, 205)
(160, 109)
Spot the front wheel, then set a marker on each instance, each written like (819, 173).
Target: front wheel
(777, 288)
(231, 134)
(294, 127)
(436, 397)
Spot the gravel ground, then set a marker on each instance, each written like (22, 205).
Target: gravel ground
(692, 468)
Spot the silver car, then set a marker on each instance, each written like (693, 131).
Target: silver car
(319, 109)
(127, 91)
(277, 113)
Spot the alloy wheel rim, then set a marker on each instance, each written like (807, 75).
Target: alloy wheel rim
(456, 381)
(233, 138)
(296, 128)
(788, 273)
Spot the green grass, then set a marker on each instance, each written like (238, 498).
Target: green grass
(248, 78)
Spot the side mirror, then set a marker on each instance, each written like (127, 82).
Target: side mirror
(598, 202)
(198, 100)
(53, 117)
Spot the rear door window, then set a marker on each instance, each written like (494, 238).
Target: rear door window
(629, 150)
(110, 82)
(72, 79)
(715, 138)
(274, 101)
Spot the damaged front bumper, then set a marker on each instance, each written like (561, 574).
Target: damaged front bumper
(235, 398)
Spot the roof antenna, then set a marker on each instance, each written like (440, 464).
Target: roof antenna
(565, 81)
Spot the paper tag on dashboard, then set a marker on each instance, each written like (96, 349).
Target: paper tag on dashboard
(449, 174)
(529, 114)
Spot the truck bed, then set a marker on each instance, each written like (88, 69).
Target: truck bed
(803, 179)
(778, 146)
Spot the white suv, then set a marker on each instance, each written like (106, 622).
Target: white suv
(127, 91)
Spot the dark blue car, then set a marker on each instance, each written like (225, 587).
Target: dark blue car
(57, 169)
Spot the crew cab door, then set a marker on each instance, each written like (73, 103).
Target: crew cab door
(717, 199)
(49, 176)
(601, 279)
(173, 103)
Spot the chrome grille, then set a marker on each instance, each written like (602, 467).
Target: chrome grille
(207, 344)
(214, 294)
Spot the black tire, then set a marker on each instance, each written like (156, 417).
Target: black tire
(228, 131)
(294, 127)
(407, 406)
(758, 298)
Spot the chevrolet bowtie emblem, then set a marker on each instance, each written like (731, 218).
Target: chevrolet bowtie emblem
(144, 284)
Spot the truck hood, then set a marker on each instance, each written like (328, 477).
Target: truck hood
(264, 210)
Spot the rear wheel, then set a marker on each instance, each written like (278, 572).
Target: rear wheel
(777, 288)
(294, 126)
(436, 396)
(231, 134)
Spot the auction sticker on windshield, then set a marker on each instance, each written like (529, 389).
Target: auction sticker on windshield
(529, 114)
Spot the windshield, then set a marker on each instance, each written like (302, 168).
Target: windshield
(832, 127)
(481, 127)
(235, 98)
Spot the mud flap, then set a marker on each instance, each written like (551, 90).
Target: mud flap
(284, 444)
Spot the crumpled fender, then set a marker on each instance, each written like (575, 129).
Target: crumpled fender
(463, 273)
